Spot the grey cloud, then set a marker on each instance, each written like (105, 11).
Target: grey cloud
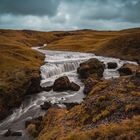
(69, 14)
(29, 7)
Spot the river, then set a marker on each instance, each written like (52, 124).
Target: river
(57, 64)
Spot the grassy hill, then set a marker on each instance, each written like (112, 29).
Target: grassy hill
(19, 63)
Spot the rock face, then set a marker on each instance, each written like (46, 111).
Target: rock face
(129, 69)
(46, 105)
(91, 68)
(63, 84)
(34, 86)
(112, 65)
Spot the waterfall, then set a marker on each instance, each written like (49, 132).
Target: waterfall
(50, 69)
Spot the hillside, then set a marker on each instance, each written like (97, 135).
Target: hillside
(19, 64)
(123, 44)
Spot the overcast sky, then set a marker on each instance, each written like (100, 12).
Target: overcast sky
(69, 14)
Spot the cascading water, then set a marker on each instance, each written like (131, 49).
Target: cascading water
(57, 63)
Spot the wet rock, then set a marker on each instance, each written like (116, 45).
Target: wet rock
(93, 67)
(129, 69)
(112, 65)
(70, 105)
(61, 84)
(16, 134)
(34, 86)
(9, 132)
(46, 105)
(47, 88)
(74, 86)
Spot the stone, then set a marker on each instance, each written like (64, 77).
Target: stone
(129, 69)
(93, 67)
(61, 84)
(46, 105)
(112, 65)
(74, 86)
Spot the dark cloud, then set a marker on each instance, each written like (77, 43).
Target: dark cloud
(29, 7)
(69, 14)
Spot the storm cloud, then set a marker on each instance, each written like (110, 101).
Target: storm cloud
(69, 14)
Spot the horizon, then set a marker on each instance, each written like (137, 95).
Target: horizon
(67, 15)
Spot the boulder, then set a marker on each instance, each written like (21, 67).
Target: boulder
(93, 67)
(74, 86)
(9, 132)
(46, 105)
(112, 65)
(61, 84)
(34, 86)
(129, 69)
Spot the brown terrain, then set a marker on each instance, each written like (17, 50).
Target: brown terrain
(111, 108)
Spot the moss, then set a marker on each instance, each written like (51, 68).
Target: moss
(131, 86)
(84, 117)
(102, 115)
(127, 129)
(135, 93)
(102, 98)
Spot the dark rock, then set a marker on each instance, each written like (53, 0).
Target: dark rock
(112, 65)
(16, 134)
(46, 105)
(8, 133)
(47, 88)
(61, 84)
(70, 105)
(34, 86)
(93, 67)
(74, 86)
(129, 69)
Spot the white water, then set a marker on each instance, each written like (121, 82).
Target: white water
(57, 63)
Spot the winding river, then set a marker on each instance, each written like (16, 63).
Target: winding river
(57, 64)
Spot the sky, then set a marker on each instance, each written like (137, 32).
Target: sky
(50, 15)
